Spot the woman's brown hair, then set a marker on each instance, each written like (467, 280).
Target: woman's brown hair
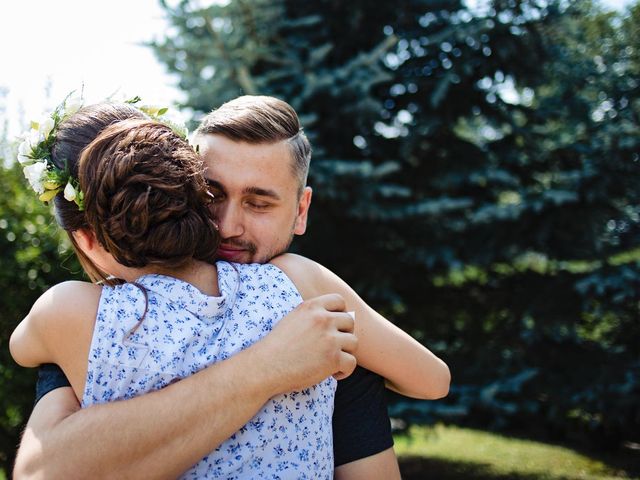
(145, 197)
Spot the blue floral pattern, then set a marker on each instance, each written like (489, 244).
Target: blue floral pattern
(184, 331)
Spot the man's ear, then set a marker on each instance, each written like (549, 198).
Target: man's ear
(303, 211)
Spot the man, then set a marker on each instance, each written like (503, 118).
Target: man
(258, 159)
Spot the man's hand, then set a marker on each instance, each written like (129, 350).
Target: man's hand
(310, 344)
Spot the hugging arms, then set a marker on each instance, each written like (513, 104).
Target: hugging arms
(161, 437)
(412, 372)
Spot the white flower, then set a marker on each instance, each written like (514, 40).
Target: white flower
(35, 137)
(70, 192)
(24, 153)
(45, 127)
(36, 175)
(72, 105)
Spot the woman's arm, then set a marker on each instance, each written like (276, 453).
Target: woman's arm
(58, 329)
(409, 367)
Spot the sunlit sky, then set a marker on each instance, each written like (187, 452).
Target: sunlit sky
(68, 44)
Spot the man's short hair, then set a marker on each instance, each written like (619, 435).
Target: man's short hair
(262, 119)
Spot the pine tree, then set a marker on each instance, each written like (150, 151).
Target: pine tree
(463, 165)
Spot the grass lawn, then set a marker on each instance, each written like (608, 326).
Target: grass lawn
(445, 453)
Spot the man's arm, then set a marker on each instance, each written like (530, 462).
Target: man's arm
(163, 433)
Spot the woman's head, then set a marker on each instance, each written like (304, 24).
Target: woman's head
(145, 198)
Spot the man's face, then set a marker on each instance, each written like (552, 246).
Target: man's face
(256, 197)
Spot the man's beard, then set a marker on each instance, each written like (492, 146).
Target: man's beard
(252, 248)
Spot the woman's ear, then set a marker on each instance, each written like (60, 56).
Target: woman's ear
(85, 239)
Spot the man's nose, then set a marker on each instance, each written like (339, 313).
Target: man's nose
(230, 221)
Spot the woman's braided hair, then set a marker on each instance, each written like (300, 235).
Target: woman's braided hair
(145, 196)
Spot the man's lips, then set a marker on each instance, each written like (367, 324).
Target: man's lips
(230, 252)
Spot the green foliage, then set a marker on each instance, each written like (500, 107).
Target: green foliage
(33, 258)
(476, 176)
(479, 171)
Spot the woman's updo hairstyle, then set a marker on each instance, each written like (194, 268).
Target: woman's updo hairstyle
(145, 196)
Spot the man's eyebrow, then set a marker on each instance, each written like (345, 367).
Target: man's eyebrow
(261, 192)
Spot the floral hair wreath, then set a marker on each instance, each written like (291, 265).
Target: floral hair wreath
(47, 179)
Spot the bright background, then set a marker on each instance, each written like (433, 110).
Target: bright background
(475, 176)
(52, 48)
